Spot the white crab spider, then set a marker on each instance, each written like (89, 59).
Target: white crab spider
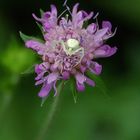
(72, 46)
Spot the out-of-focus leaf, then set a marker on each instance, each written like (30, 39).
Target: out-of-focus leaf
(99, 82)
(16, 58)
(30, 70)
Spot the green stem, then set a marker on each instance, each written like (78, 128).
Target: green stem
(49, 118)
(5, 104)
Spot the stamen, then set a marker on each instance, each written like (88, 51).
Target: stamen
(62, 13)
(67, 17)
(114, 32)
(68, 9)
(65, 2)
(95, 17)
(97, 23)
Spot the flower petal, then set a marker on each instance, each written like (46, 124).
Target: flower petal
(92, 28)
(95, 68)
(42, 67)
(80, 24)
(52, 77)
(40, 75)
(104, 51)
(75, 8)
(107, 24)
(90, 82)
(35, 45)
(45, 90)
(37, 69)
(80, 87)
(66, 75)
(36, 18)
(80, 78)
(53, 10)
(100, 33)
(83, 68)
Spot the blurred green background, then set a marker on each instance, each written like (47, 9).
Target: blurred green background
(115, 116)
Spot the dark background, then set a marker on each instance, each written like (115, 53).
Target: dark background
(115, 116)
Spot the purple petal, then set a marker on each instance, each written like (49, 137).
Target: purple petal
(52, 77)
(53, 10)
(42, 67)
(80, 87)
(37, 69)
(35, 45)
(79, 16)
(75, 8)
(88, 17)
(45, 90)
(47, 25)
(66, 75)
(82, 19)
(99, 36)
(95, 68)
(92, 28)
(107, 24)
(44, 79)
(39, 76)
(100, 33)
(90, 82)
(109, 34)
(40, 82)
(36, 18)
(80, 78)
(83, 68)
(104, 51)
(46, 65)
(46, 15)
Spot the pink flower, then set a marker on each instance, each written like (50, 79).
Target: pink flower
(69, 48)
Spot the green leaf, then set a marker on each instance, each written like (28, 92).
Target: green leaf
(98, 81)
(43, 101)
(59, 87)
(40, 27)
(85, 25)
(41, 12)
(73, 89)
(26, 37)
(30, 70)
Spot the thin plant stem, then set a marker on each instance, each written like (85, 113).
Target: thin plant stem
(48, 120)
(5, 105)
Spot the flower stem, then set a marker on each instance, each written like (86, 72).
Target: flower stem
(5, 105)
(49, 118)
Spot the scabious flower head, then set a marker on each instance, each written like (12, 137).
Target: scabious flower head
(69, 48)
